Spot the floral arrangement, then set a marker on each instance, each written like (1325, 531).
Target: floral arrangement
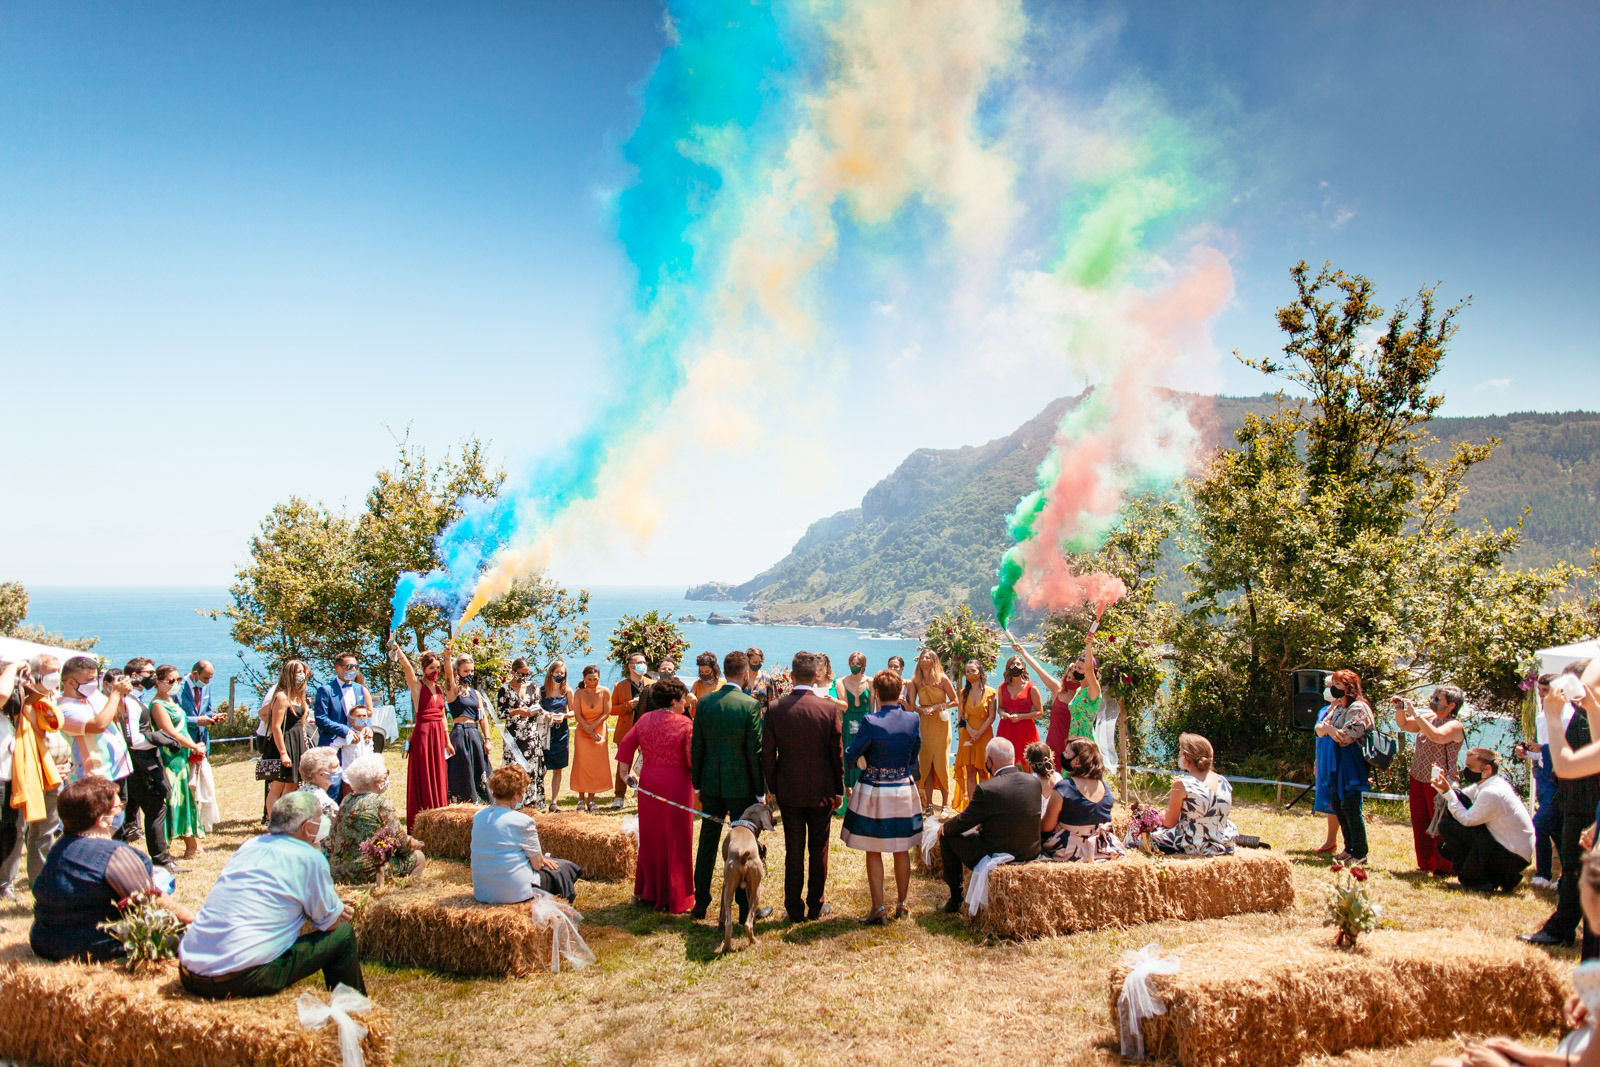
(1349, 907)
(782, 681)
(146, 931)
(1145, 821)
(384, 845)
(652, 634)
(957, 636)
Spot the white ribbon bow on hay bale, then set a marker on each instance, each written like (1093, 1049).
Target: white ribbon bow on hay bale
(550, 913)
(978, 883)
(343, 1003)
(1136, 1002)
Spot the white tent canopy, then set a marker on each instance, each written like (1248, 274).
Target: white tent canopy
(14, 648)
(1552, 660)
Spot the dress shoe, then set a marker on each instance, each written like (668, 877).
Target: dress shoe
(174, 867)
(763, 912)
(951, 906)
(1539, 937)
(698, 913)
(817, 913)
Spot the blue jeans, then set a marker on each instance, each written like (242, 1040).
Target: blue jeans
(1347, 809)
(1547, 820)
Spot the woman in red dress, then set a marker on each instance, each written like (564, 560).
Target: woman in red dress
(664, 877)
(1020, 708)
(427, 784)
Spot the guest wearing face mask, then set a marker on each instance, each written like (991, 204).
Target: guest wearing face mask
(1440, 736)
(555, 697)
(141, 671)
(855, 690)
(31, 773)
(183, 811)
(760, 685)
(286, 714)
(194, 696)
(625, 710)
(1487, 834)
(707, 679)
(89, 721)
(525, 733)
(146, 784)
(337, 701)
(1074, 700)
(1346, 719)
(467, 770)
(427, 785)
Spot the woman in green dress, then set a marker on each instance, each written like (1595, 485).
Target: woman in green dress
(183, 811)
(855, 689)
(366, 814)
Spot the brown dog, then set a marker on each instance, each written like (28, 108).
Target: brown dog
(742, 866)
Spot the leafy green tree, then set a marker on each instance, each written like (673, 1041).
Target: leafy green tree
(957, 636)
(14, 612)
(654, 634)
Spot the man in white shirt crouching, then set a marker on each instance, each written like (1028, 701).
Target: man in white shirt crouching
(246, 941)
(1486, 832)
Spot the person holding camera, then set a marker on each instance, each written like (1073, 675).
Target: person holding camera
(1486, 833)
(147, 782)
(1440, 736)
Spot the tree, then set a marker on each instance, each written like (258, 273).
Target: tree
(957, 636)
(13, 612)
(1328, 538)
(319, 584)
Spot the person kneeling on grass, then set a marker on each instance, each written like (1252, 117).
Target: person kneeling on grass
(1486, 832)
(246, 941)
(1578, 1048)
(508, 864)
(88, 878)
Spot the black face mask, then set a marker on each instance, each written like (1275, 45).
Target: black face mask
(1338, 694)
(1077, 676)
(561, 678)
(1470, 776)
(469, 680)
(147, 683)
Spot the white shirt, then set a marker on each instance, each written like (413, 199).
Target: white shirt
(1496, 804)
(348, 690)
(136, 739)
(253, 913)
(1541, 729)
(8, 738)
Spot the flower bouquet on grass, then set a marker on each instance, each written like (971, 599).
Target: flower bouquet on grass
(1349, 907)
(147, 931)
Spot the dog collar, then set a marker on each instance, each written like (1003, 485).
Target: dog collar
(746, 823)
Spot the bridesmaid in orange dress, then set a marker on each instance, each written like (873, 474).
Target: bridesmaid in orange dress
(664, 877)
(427, 785)
(591, 756)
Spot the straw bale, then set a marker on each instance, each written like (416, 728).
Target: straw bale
(1278, 999)
(1041, 899)
(596, 843)
(70, 1014)
(934, 866)
(440, 926)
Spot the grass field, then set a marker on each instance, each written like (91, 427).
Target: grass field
(923, 990)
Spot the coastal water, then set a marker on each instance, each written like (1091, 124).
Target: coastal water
(170, 625)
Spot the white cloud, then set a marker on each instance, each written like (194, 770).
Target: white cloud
(1492, 385)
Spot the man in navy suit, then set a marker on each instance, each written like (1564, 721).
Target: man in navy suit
(332, 704)
(194, 696)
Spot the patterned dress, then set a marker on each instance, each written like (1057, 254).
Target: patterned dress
(1205, 826)
(529, 734)
(1083, 829)
(362, 817)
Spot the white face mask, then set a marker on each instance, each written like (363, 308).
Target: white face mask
(89, 688)
(51, 682)
(1327, 694)
(322, 830)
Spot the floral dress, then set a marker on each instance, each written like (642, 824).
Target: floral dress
(1205, 826)
(362, 817)
(529, 733)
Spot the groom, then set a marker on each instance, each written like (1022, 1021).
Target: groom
(802, 761)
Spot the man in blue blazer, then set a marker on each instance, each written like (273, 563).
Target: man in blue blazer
(194, 696)
(331, 706)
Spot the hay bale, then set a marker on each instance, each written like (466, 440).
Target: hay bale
(440, 926)
(596, 843)
(1041, 899)
(1279, 999)
(1120, 817)
(69, 1014)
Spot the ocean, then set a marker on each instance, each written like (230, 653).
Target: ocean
(170, 625)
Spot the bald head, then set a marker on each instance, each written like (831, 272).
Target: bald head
(203, 672)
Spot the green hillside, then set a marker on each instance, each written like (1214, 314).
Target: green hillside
(931, 533)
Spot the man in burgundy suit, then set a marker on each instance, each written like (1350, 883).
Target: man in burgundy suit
(802, 759)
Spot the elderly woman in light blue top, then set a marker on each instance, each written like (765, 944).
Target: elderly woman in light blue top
(246, 941)
(508, 864)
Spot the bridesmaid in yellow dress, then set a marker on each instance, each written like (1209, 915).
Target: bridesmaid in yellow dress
(933, 698)
(591, 756)
(979, 711)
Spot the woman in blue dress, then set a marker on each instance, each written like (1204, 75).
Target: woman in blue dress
(1077, 817)
(553, 698)
(1322, 797)
(885, 810)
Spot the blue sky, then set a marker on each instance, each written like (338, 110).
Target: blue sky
(242, 246)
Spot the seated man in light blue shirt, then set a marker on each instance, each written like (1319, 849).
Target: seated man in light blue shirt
(246, 941)
(508, 865)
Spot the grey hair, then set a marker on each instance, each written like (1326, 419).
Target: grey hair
(1457, 698)
(316, 759)
(365, 772)
(44, 663)
(293, 810)
(1000, 750)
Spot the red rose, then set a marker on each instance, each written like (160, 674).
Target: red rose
(1358, 873)
(1127, 679)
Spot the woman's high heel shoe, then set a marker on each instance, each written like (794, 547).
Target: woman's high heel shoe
(1323, 849)
(879, 916)
(901, 910)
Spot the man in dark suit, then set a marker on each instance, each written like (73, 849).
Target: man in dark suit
(332, 705)
(802, 760)
(1005, 812)
(725, 764)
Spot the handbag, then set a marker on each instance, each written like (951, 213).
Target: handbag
(1379, 748)
(273, 770)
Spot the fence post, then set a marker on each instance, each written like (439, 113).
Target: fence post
(233, 689)
(1122, 753)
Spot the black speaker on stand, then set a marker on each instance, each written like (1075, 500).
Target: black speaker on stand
(1305, 703)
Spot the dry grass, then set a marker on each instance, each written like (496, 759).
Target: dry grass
(927, 988)
(596, 843)
(433, 921)
(72, 1014)
(1286, 997)
(1030, 900)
